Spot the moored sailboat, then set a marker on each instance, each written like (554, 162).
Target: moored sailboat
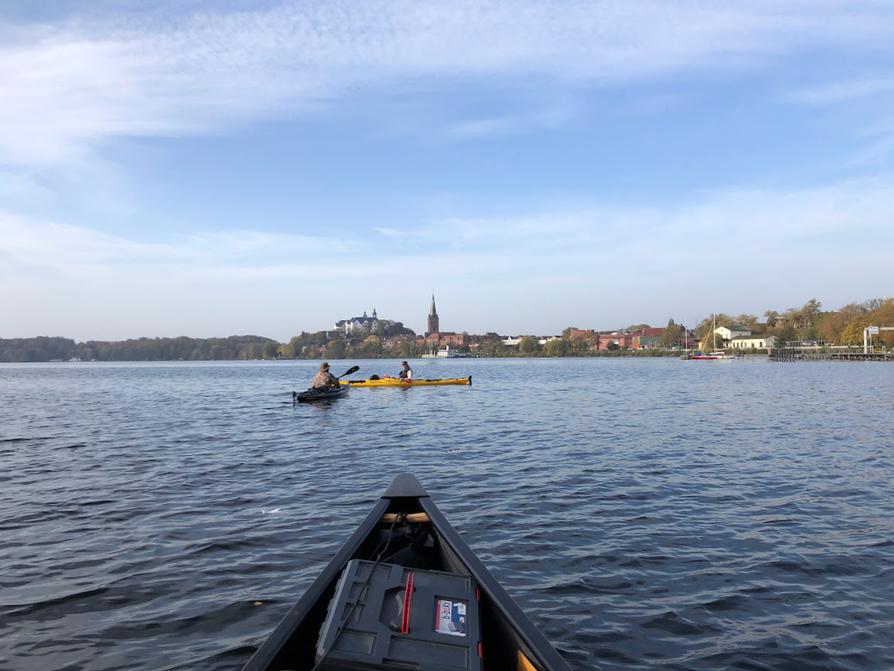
(714, 354)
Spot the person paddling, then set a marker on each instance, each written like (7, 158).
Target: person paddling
(324, 379)
(406, 373)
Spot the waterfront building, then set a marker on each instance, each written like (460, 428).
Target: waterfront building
(654, 338)
(648, 338)
(614, 340)
(727, 333)
(358, 325)
(753, 342)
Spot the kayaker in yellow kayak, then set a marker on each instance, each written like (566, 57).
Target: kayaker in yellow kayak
(406, 373)
(324, 379)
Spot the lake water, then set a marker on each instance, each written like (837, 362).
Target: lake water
(645, 513)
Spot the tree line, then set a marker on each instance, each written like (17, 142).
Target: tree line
(811, 323)
(22, 350)
(806, 323)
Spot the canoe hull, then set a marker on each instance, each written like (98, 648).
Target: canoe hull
(398, 382)
(511, 637)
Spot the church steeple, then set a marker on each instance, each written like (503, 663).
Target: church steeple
(433, 326)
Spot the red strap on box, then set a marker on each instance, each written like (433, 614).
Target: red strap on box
(408, 597)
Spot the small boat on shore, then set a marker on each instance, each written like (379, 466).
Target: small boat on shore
(401, 382)
(710, 356)
(445, 353)
(405, 592)
(318, 395)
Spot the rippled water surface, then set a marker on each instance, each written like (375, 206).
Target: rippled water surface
(646, 514)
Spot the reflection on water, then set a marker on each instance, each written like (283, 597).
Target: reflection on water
(647, 514)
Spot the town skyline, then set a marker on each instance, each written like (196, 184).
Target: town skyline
(358, 324)
(185, 167)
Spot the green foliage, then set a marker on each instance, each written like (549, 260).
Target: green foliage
(21, 350)
(673, 333)
(785, 335)
(140, 349)
(371, 346)
(579, 346)
(493, 348)
(388, 329)
(557, 348)
(336, 349)
(528, 345)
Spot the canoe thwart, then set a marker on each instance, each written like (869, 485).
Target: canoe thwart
(388, 518)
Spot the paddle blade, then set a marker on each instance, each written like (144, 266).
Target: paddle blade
(352, 369)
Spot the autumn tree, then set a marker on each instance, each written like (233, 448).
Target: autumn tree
(809, 312)
(371, 346)
(745, 320)
(852, 334)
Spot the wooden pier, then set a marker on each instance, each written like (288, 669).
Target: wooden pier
(796, 351)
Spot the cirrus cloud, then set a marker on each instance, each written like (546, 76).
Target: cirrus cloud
(70, 86)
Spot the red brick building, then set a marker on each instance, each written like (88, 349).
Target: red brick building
(615, 340)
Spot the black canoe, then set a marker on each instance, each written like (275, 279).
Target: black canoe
(318, 394)
(417, 536)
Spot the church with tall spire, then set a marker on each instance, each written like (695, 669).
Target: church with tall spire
(433, 325)
(435, 338)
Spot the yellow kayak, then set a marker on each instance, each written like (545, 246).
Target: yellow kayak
(398, 382)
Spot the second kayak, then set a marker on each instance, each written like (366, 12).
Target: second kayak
(399, 382)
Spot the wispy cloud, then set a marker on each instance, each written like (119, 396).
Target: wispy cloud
(64, 252)
(550, 117)
(66, 88)
(845, 91)
(717, 229)
(727, 250)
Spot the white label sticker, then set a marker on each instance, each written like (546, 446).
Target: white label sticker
(450, 617)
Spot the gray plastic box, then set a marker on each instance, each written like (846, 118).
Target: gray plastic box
(434, 628)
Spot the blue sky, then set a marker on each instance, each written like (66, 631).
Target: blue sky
(207, 168)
